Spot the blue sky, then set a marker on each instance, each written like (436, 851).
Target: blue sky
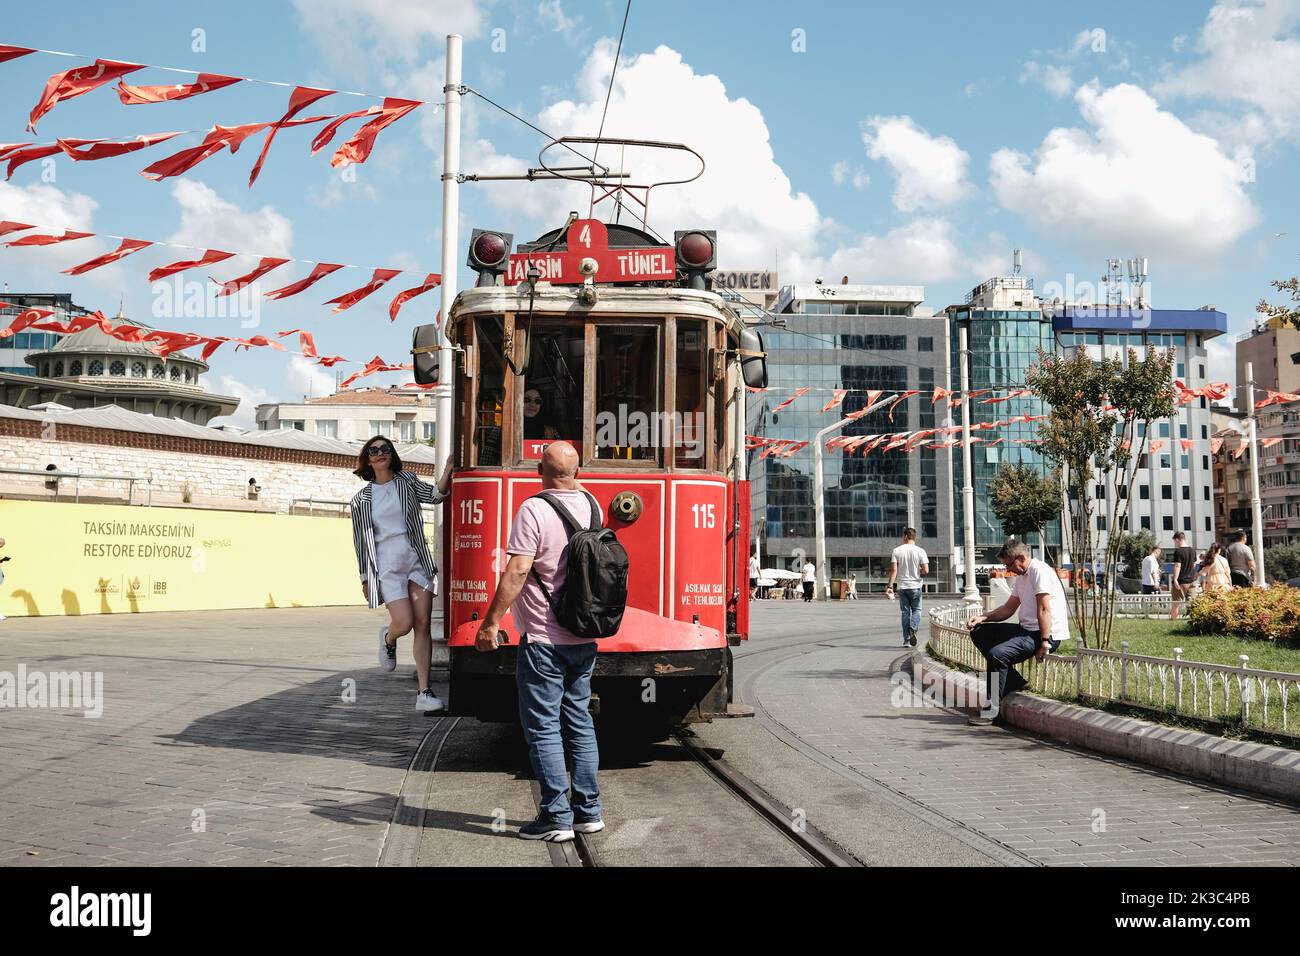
(888, 142)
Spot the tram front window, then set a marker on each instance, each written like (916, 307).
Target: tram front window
(551, 389)
(629, 422)
(490, 330)
(689, 431)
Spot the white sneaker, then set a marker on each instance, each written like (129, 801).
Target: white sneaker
(591, 826)
(427, 703)
(387, 652)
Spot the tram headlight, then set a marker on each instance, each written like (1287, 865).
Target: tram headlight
(489, 252)
(697, 255)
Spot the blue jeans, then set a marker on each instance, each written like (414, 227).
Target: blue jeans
(909, 603)
(554, 685)
(1003, 645)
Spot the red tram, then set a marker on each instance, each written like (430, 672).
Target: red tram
(601, 335)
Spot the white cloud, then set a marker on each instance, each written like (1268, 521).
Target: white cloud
(845, 172)
(210, 222)
(1055, 79)
(52, 210)
(250, 396)
(931, 170)
(921, 251)
(1251, 57)
(352, 33)
(550, 13)
(306, 378)
(1140, 179)
(743, 193)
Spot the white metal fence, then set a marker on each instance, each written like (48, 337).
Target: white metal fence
(1268, 701)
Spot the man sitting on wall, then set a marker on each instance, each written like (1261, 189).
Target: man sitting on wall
(1043, 624)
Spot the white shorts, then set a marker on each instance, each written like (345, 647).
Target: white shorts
(398, 563)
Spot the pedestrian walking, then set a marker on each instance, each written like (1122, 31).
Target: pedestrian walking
(1184, 576)
(553, 667)
(853, 586)
(1215, 571)
(1151, 572)
(1042, 624)
(393, 555)
(908, 565)
(809, 579)
(1241, 561)
(754, 572)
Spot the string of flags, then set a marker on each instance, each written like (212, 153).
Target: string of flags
(78, 81)
(266, 264)
(164, 343)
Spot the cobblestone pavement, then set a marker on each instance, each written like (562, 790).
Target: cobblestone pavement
(821, 676)
(225, 739)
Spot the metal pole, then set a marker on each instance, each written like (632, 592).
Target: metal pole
(444, 427)
(970, 592)
(819, 505)
(1256, 513)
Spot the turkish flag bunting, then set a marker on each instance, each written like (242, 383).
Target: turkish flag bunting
(903, 395)
(261, 341)
(73, 83)
(329, 361)
(8, 53)
(263, 267)
(306, 342)
(217, 139)
(77, 323)
(1269, 442)
(27, 154)
(797, 393)
(836, 397)
(1186, 443)
(206, 82)
(374, 366)
(431, 281)
(68, 236)
(1277, 398)
(127, 247)
(1241, 449)
(301, 98)
(7, 227)
(357, 149)
(1156, 445)
(83, 149)
(377, 279)
(939, 393)
(208, 258)
(1215, 445)
(169, 342)
(24, 321)
(321, 270)
(7, 148)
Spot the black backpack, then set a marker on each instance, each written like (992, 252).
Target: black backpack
(594, 595)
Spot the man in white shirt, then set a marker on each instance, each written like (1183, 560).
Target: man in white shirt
(754, 571)
(1151, 572)
(1042, 625)
(809, 580)
(908, 565)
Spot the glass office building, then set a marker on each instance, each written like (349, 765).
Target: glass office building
(15, 349)
(863, 339)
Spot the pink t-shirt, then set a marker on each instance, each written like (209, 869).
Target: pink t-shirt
(539, 532)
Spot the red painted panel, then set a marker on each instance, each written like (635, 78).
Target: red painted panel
(699, 572)
(474, 516)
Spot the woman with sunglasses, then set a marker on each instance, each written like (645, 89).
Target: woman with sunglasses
(393, 556)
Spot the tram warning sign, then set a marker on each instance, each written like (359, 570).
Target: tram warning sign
(589, 239)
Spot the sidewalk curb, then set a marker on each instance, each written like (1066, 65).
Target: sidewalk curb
(1259, 768)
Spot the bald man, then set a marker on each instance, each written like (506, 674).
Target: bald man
(553, 668)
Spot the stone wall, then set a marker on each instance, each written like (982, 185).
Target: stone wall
(218, 472)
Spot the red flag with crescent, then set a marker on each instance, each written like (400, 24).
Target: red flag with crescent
(8, 53)
(68, 236)
(266, 264)
(206, 82)
(7, 227)
(321, 270)
(357, 149)
(84, 149)
(431, 281)
(75, 82)
(27, 154)
(798, 392)
(837, 396)
(209, 257)
(301, 98)
(127, 247)
(349, 299)
(1215, 445)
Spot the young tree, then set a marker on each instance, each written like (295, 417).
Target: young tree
(1090, 433)
(1025, 499)
(1287, 314)
(1133, 548)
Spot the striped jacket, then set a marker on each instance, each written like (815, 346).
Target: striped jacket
(412, 492)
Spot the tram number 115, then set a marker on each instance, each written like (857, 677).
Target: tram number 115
(471, 511)
(703, 515)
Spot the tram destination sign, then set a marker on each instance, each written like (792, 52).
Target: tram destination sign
(589, 239)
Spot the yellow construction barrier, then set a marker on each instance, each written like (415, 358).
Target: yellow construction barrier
(112, 559)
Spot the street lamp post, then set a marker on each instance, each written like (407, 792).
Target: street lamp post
(819, 505)
(1256, 513)
(970, 591)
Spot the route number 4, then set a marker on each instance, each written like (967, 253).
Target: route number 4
(703, 515)
(584, 236)
(471, 511)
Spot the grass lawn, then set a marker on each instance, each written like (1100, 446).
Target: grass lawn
(1159, 638)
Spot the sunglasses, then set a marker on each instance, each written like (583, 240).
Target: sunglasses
(376, 450)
